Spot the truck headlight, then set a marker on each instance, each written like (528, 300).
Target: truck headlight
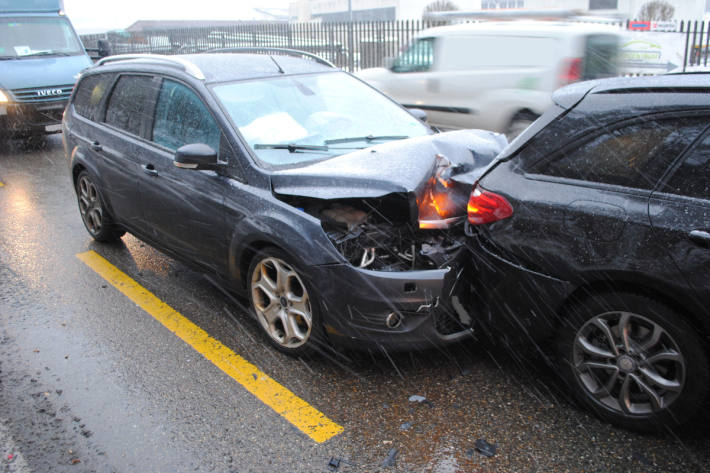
(3, 97)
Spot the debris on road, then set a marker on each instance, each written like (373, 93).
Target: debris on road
(334, 463)
(405, 426)
(416, 398)
(391, 458)
(485, 448)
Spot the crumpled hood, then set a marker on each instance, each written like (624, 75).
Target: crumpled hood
(396, 166)
(41, 71)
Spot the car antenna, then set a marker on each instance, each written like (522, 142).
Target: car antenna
(277, 65)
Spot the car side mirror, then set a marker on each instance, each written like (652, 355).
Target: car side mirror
(195, 156)
(419, 113)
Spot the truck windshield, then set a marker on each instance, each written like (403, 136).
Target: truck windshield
(34, 36)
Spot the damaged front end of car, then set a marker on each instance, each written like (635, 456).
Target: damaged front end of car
(403, 278)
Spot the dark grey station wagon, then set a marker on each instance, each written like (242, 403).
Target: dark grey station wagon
(336, 211)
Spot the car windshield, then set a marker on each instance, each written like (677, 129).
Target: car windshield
(28, 37)
(296, 119)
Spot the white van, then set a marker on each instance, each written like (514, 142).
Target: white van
(495, 75)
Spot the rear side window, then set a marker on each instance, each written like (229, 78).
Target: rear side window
(88, 96)
(692, 178)
(633, 156)
(182, 118)
(129, 103)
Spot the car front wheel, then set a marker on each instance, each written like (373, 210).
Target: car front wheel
(285, 307)
(633, 360)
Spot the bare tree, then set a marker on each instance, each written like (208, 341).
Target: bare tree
(440, 5)
(656, 10)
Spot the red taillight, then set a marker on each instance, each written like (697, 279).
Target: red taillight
(571, 71)
(486, 207)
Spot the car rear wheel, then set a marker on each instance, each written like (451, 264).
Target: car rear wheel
(286, 308)
(96, 219)
(633, 360)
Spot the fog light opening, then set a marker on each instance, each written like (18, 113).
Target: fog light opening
(393, 320)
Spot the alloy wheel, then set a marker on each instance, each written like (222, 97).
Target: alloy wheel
(628, 363)
(90, 205)
(281, 302)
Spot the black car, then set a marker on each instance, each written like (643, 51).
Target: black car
(593, 234)
(337, 212)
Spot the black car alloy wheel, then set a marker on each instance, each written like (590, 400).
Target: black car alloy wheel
(96, 219)
(633, 360)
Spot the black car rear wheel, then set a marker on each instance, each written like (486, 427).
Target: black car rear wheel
(286, 307)
(633, 360)
(96, 219)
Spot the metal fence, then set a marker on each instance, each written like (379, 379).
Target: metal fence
(351, 46)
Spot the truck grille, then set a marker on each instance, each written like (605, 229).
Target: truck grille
(43, 94)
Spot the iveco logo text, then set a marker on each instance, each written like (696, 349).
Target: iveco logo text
(46, 92)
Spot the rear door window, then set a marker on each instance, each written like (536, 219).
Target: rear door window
(130, 103)
(692, 178)
(182, 118)
(635, 155)
(89, 93)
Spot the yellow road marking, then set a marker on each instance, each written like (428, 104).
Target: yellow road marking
(302, 415)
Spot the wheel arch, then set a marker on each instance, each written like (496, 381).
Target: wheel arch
(648, 287)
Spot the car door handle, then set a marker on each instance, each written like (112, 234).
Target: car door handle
(700, 237)
(149, 169)
(96, 146)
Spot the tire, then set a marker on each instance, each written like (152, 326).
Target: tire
(518, 124)
(282, 298)
(97, 220)
(655, 377)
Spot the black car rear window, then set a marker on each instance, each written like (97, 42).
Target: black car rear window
(88, 96)
(635, 155)
(129, 102)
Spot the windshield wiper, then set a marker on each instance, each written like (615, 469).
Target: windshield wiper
(7, 58)
(291, 147)
(47, 53)
(367, 138)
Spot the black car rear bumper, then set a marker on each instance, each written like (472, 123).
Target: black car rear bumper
(521, 303)
(358, 304)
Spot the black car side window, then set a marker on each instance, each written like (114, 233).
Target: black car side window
(182, 118)
(88, 96)
(129, 102)
(692, 178)
(635, 155)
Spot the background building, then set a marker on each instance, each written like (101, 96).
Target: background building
(372, 10)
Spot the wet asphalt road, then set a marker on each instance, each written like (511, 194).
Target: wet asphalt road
(89, 382)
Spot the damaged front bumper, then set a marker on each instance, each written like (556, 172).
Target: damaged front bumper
(394, 310)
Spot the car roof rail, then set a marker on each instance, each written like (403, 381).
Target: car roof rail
(283, 51)
(183, 63)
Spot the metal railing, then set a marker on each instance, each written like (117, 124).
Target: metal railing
(351, 46)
